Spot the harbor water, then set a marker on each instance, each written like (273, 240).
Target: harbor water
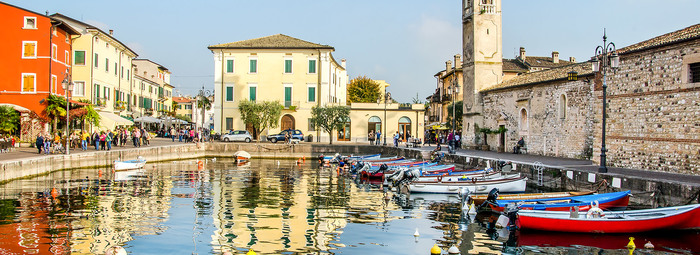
(269, 206)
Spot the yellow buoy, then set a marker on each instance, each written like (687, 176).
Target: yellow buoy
(250, 252)
(631, 246)
(435, 250)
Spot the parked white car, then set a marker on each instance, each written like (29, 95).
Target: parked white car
(237, 136)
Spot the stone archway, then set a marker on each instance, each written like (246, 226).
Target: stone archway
(288, 122)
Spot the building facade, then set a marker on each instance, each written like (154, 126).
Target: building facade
(448, 91)
(35, 53)
(297, 73)
(151, 90)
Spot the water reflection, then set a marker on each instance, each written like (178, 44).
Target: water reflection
(178, 207)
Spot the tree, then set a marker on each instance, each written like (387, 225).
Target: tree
(55, 109)
(363, 90)
(260, 115)
(10, 119)
(458, 112)
(330, 118)
(204, 104)
(416, 100)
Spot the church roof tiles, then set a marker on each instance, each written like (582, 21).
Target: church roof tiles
(558, 73)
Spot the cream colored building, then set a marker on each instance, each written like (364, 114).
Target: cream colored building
(296, 73)
(152, 92)
(101, 71)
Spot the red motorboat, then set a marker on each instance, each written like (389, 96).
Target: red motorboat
(683, 240)
(632, 221)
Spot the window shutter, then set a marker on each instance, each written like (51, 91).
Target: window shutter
(229, 66)
(229, 93)
(312, 66)
(28, 83)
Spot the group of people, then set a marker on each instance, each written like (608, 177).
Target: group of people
(47, 143)
(374, 137)
(101, 140)
(6, 142)
(188, 135)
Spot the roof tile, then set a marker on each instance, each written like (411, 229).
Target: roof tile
(278, 41)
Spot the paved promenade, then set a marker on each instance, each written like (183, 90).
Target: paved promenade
(582, 165)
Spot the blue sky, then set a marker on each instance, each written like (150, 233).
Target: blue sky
(402, 42)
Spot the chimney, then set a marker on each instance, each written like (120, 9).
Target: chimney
(111, 32)
(343, 63)
(572, 59)
(522, 53)
(448, 66)
(458, 61)
(555, 57)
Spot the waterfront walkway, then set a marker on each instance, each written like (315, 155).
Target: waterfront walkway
(581, 165)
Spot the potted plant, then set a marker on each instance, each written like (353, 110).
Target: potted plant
(500, 131)
(485, 146)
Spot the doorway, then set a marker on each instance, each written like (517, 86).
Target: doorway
(404, 128)
(288, 122)
(344, 132)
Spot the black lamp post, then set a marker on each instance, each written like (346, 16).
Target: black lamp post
(387, 97)
(605, 58)
(67, 85)
(455, 90)
(202, 94)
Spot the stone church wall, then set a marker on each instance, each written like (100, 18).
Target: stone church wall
(546, 130)
(654, 111)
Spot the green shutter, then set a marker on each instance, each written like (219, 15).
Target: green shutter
(253, 66)
(79, 58)
(229, 93)
(97, 90)
(96, 60)
(287, 96)
(253, 94)
(312, 94)
(312, 66)
(229, 66)
(287, 66)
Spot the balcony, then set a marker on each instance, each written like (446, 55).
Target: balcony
(291, 105)
(446, 97)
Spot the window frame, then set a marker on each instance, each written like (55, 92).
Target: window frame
(66, 56)
(291, 66)
(226, 91)
(54, 52)
(250, 86)
(315, 66)
(75, 86)
(24, 48)
(233, 65)
(308, 88)
(251, 65)
(21, 89)
(26, 18)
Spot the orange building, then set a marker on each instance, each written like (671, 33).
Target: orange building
(34, 60)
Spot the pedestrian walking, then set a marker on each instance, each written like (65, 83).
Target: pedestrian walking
(370, 137)
(84, 137)
(108, 140)
(47, 144)
(96, 140)
(103, 139)
(39, 142)
(396, 139)
(379, 136)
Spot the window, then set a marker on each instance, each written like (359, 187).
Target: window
(287, 66)
(312, 127)
(311, 94)
(312, 66)
(229, 123)
(54, 53)
(287, 96)
(97, 90)
(66, 57)
(79, 88)
(106, 65)
(562, 106)
(253, 65)
(229, 66)
(523, 119)
(694, 72)
(96, 60)
(107, 93)
(229, 93)
(121, 71)
(252, 92)
(29, 49)
(29, 23)
(28, 83)
(115, 69)
(127, 74)
(53, 84)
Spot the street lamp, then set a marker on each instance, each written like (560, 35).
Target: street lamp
(67, 85)
(203, 93)
(387, 97)
(605, 58)
(455, 90)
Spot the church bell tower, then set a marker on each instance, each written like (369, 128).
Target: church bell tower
(483, 59)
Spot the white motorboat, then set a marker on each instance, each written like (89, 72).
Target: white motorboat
(240, 156)
(515, 184)
(137, 163)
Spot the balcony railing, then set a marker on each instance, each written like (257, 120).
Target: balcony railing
(293, 105)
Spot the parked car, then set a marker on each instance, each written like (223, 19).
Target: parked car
(237, 136)
(296, 135)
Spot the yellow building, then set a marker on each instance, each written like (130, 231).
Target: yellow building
(101, 71)
(152, 92)
(297, 73)
(449, 90)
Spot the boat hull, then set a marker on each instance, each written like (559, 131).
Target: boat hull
(614, 200)
(513, 185)
(129, 164)
(634, 221)
(480, 199)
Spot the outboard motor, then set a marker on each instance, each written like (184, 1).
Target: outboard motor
(383, 168)
(491, 198)
(320, 158)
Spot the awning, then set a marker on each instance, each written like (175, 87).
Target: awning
(111, 121)
(147, 119)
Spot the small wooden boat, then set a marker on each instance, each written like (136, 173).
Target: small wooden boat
(463, 176)
(129, 164)
(479, 199)
(631, 221)
(241, 156)
(513, 185)
(382, 160)
(613, 200)
(365, 157)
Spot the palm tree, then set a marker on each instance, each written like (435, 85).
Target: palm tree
(10, 119)
(204, 104)
(55, 108)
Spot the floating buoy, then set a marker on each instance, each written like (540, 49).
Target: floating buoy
(435, 250)
(213, 160)
(631, 246)
(250, 252)
(99, 173)
(416, 234)
(115, 250)
(54, 193)
(278, 163)
(453, 250)
(303, 158)
(648, 245)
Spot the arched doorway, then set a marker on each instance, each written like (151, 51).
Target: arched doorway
(344, 131)
(374, 124)
(404, 128)
(288, 122)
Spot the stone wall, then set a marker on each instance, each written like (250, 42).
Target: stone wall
(653, 111)
(547, 130)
